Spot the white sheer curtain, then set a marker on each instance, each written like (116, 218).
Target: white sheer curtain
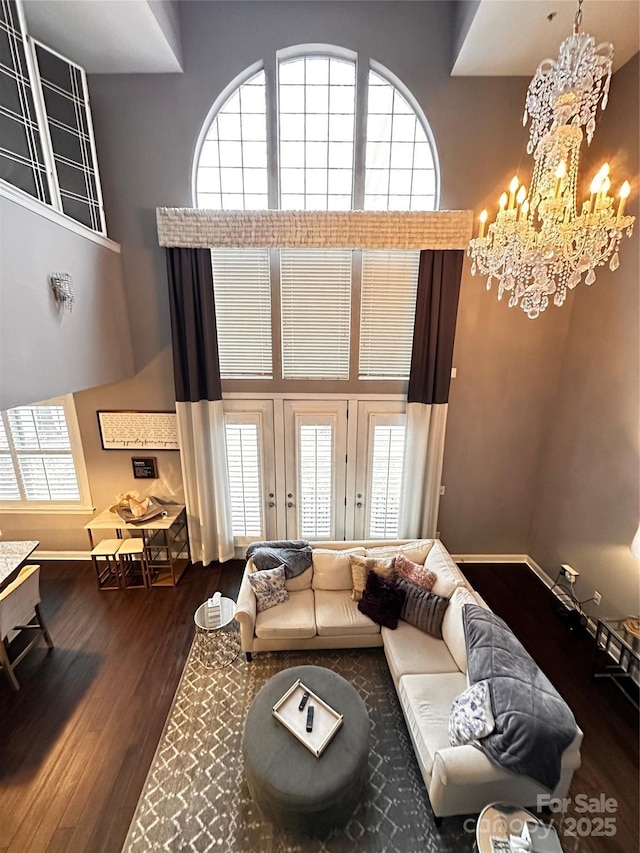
(204, 473)
(423, 455)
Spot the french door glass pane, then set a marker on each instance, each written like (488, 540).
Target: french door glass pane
(387, 455)
(315, 489)
(243, 462)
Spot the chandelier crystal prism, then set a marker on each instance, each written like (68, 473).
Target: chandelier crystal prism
(541, 244)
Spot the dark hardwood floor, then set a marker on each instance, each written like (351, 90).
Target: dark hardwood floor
(607, 718)
(76, 742)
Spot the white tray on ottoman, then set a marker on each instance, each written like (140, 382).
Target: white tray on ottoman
(326, 721)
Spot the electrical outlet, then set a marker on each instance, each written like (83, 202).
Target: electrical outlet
(597, 598)
(569, 573)
(443, 489)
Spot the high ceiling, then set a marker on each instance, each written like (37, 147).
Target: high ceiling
(492, 37)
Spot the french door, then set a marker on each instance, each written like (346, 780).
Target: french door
(314, 469)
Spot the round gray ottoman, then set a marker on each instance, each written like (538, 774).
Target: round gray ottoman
(302, 793)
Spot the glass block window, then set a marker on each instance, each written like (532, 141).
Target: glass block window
(66, 103)
(317, 128)
(232, 169)
(22, 160)
(400, 172)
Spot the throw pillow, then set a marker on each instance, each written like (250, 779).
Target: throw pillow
(417, 551)
(268, 587)
(360, 568)
(418, 575)
(471, 716)
(423, 609)
(381, 601)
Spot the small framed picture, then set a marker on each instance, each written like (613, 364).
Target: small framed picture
(144, 467)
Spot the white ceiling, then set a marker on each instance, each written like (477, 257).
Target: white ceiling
(505, 37)
(109, 36)
(512, 37)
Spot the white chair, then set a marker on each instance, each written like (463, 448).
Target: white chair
(20, 611)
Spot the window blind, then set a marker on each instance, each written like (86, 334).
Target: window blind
(242, 290)
(386, 480)
(243, 463)
(387, 313)
(316, 313)
(36, 455)
(315, 454)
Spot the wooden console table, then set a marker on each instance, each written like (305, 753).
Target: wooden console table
(166, 541)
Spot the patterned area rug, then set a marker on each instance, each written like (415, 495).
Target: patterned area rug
(195, 797)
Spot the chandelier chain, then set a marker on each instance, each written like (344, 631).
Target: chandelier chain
(578, 19)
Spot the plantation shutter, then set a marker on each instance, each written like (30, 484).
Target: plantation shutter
(242, 290)
(243, 463)
(42, 449)
(315, 453)
(9, 490)
(387, 456)
(388, 304)
(316, 313)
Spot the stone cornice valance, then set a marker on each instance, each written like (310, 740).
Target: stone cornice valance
(314, 229)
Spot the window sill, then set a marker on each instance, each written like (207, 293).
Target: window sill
(35, 206)
(46, 510)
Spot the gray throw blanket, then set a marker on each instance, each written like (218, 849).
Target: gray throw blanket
(294, 554)
(534, 725)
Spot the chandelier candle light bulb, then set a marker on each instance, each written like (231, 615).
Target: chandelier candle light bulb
(556, 245)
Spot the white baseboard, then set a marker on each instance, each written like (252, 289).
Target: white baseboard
(61, 555)
(490, 558)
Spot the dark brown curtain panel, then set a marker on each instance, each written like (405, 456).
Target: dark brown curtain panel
(196, 365)
(435, 325)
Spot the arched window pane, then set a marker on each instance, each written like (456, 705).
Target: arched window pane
(232, 170)
(400, 169)
(317, 129)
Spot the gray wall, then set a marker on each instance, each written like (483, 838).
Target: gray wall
(508, 365)
(587, 505)
(45, 352)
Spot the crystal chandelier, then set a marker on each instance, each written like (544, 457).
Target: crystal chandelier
(540, 243)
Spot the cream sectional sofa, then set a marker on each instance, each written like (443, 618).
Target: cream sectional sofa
(428, 673)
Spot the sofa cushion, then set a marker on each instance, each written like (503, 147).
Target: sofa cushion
(332, 569)
(423, 609)
(426, 702)
(416, 574)
(453, 626)
(295, 618)
(382, 601)
(415, 551)
(360, 568)
(410, 651)
(268, 588)
(449, 575)
(302, 581)
(338, 615)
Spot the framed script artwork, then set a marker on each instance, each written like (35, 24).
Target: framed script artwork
(138, 430)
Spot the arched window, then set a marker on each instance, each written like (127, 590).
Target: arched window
(316, 162)
(315, 134)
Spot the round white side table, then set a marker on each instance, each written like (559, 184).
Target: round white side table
(500, 820)
(218, 644)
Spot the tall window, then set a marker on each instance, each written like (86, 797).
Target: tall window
(295, 139)
(46, 135)
(41, 463)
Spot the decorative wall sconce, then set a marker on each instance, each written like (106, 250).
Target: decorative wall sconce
(63, 291)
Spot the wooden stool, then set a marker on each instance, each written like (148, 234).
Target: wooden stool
(131, 553)
(106, 563)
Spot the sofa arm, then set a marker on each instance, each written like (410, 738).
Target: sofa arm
(246, 611)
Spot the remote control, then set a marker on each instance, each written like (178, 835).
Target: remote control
(303, 701)
(310, 718)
